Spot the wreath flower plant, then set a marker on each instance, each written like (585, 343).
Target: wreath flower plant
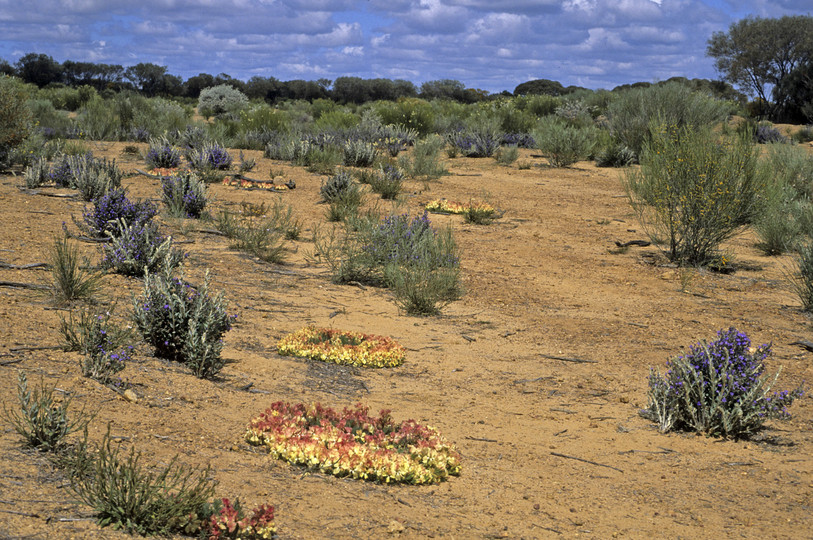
(443, 206)
(353, 443)
(339, 347)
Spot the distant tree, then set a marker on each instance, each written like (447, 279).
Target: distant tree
(797, 89)
(146, 77)
(221, 99)
(6, 68)
(758, 54)
(351, 90)
(447, 89)
(540, 86)
(299, 89)
(39, 69)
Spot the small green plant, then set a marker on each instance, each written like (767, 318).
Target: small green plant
(71, 281)
(424, 162)
(183, 323)
(507, 155)
(695, 190)
(562, 144)
(480, 214)
(802, 280)
(335, 186)
(260, 237)
(125, 495)
(717, 389)
(281, 215)
(388, 182)
(36, 174)
(247, 164)
(102, 344)
(321, 159)
(41, 420)
(524, 165)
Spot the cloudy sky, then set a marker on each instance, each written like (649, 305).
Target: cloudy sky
(489, 44)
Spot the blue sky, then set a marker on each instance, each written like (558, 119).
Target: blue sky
(488, 44)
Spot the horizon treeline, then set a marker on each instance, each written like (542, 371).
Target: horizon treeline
(152, 80)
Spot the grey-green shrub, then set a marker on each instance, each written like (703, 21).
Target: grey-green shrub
(36, 174)
(563, 145)
(15, 117)
(183, 323)
(632, 112)
(41, 420)
(221, 99)
(802, 279)
(358, 153)
(98, 120)
(71, 281)
(695, 190)
(425, 159)
(336, 185)
(137, 248)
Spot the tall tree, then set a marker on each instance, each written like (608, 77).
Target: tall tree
(39, 69)
(757, 54)
(148, 78)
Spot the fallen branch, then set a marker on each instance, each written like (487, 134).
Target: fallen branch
(35, 348)
(9, 362)
(481, 439)
(803, 343)
(18, 285)
(557, 454)
(23, 266)
(568, 359)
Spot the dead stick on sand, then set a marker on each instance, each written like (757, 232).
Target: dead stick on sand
(18, 285)
(567, 359)
(557, 454)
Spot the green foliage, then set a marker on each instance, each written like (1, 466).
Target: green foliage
(71, 282)
(802, 280)
(411, 113)
(262, 238)
(507, 155)
(125, 495)
(359, 153)
(694, 190)
(183, 323)
(388, 182)
(424, 161)
(633, 111)
(99, 120)
(263, 118)
(15, 117)
(221, 99)
(337, 119)
(538, 105)
(335, 186)
(138, 248)
(41, 420)
(184, 195)
(563, 145)
(615, 154)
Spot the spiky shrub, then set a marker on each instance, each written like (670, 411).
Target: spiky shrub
(358, 153)
(61, 173)
(615, 155)
(695, 190)
(36, 174)
(562, 144)
(183, 323)
(717, 389)
(802, 279)
(335, 186)
(425, 159)
(42, 421)
(184, 195)
(71, 282)
(101, 219)
(253, 234)
(125, 495)
(507, 155)
(138, 248)
(93, 177)
(162, 154)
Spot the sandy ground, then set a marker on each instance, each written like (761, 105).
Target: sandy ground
(545, 280)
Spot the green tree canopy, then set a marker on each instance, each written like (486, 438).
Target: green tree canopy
(757, 54)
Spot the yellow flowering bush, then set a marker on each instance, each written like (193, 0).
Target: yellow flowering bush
(354, 444)
(338, 347)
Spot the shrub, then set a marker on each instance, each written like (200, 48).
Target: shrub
(633, 113)
(71, 282)
(221, 99)
(803, 279)
(229, 521)
(15, 117)
(209, 155)
(777, 224)
(358, 153)
(335, 186)
(717, 389)
(183, 323)
(93, 177)
(262, 238)
(91, 331)
(615, 155)
(767, 134)
(694, 190)
(184, 195)
(162, 154)
(125, 495)
(99, 120)
(36, 174)
(424, 162)
(137, 248)
(507, 155)
(387, 182)
(42, 421)
(562, 145)
(101, 219)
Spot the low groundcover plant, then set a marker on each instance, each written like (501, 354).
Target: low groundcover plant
(717, 389)
(353, 443)
(350, 348)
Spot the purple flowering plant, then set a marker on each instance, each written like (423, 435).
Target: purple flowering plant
(162, 154)
(101, 218)
(184, 195)
(718, 389)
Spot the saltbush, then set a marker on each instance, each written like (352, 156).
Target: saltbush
(717, 389)
(183, 323)
(562, 144)
(359, 153)
(694, 190)
(221, 99)
(335, 186)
